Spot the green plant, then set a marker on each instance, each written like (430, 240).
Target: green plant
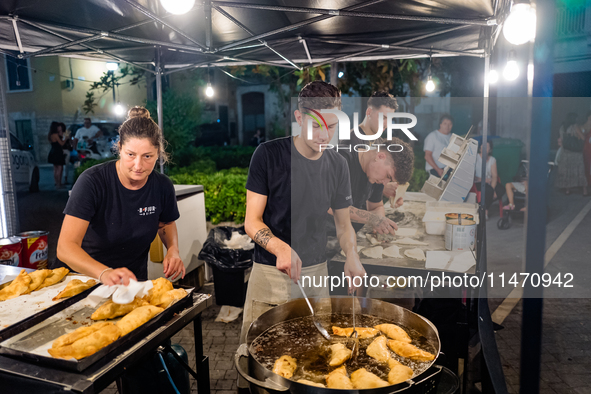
(83, 167)
(418, 179)
(111, 80)
(225, 193)
(182, 115)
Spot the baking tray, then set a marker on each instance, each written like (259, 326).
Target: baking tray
(28, 343)
(37, 317)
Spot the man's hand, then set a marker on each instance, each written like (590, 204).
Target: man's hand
(399, 202)
(390, 189)
(439, 171)
(173, 265)
(353, 268)
(289, 263)
(382, 225)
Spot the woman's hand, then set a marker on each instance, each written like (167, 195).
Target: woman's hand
(173, 265)
(117, 276)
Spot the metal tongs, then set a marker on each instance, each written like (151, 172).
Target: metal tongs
(354, 334)
(319, 327)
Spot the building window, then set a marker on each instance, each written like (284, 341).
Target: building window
(18, 74)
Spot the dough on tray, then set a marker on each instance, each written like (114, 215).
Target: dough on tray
(415, 254)
(392, 251)
(409, 241)
(373, 253)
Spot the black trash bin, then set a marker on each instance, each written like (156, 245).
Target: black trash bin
(228, 266)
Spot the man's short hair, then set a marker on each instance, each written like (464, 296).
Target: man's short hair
(403, 160)
(445, 116)
(382, 98)
(319, 95)
(85, 119)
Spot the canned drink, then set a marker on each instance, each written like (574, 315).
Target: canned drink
(35, 249)
(460, 234)
(10, 251)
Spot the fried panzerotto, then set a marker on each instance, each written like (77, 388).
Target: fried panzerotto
(310, 383)
(363, 332)
(37, 277)
(285, 366)
(137, 317)
(363, 379)
(170, 296)
(161, 286)
(78, 334)
(338, 379)
(394, 332)
(75, 286)
(111, 310)
(339, 354)
(55, 276)
(398, 373)
(89, 344)
(407, 350)
(378, 349)
(19, 285)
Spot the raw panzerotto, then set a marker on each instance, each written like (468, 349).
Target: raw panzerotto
(406, 232)
(374, 253)
(392, 251)
(409, 241)
(415, 254)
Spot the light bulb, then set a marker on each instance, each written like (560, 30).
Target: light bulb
(209, 90)
(112, 66)
(430, 86)
(493, 76)
(511, 71)
(177, 7)
(119, 109)
(341, 74)
(520, 25)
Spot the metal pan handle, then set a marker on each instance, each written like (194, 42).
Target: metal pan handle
(268, 385)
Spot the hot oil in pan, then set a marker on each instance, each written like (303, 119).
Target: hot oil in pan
(299, 338)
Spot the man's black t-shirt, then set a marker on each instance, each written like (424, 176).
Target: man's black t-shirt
(299, 193)
(123, 222)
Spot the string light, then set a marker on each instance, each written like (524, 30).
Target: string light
(177, 7)
(511, 71)
(520, 25)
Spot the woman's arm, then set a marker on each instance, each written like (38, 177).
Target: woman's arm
(173, 265)
(495, 177)
(69, 250)
(59, 140)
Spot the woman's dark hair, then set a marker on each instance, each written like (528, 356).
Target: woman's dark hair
(445, 116)
(53, 130)
(489, 142)
(140, 125)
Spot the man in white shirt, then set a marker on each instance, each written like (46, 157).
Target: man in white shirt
(89, 131)
(434, 144)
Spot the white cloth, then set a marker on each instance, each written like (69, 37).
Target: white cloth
(519, 187)
(121, 294)
(86, 132)
(489, 163)
(435, 142)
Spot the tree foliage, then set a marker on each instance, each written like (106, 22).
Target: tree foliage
(111, 80)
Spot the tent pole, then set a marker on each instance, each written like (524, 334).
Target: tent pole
(295, 25)
(9, 224)
(537, 196)
(159, 99)
(17, 35)
(333, 73)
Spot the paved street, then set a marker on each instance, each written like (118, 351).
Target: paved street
(567, 322)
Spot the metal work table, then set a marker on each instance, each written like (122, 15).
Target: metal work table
(30, 377)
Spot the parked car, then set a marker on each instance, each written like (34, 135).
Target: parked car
(24, 166)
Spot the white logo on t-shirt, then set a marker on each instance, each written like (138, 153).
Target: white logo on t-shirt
(147, 211)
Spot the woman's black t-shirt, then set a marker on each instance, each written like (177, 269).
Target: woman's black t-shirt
(123, 222)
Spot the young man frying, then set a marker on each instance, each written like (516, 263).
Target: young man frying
(291, 186)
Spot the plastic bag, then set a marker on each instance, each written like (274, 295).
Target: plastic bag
(216, 253)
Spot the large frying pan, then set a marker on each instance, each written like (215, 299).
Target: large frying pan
(262, 380)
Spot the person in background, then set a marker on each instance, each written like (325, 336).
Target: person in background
(586, 131)
(493, 189)
(67, 149)
(380, 103)
(571, 166)
(257, 138)
(89, 131)
(56, 154)
(511, 188)
(434, 144)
